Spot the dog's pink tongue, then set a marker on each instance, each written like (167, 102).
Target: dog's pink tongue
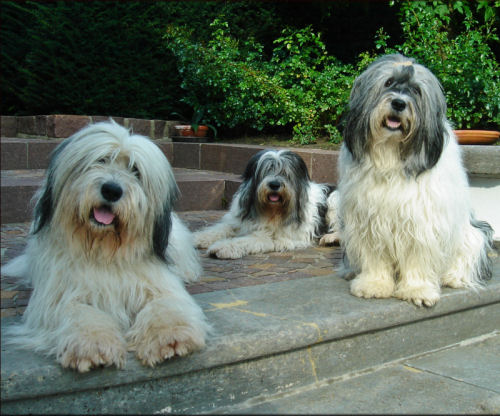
(274, 198)
(392, 123)
(103, 215)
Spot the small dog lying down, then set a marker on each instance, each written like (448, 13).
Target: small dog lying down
(276, 208)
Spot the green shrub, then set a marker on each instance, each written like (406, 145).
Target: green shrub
(86, 58)
(299, 88)
(450, 40)
(104, 57)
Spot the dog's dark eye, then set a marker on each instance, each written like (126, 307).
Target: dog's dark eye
(416, 90)
(389, 82)
(103, 160)
(136, 172)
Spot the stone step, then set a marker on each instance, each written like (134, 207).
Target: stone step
(18, 154)
(33, 153)
(269, 339)
(434, 383)
(200, 190)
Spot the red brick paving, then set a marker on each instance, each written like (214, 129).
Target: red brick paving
(218, 274)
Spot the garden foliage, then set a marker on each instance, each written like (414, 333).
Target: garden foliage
(306, 90)
(86, 58)
(452, 40)
(247, 66)
(299, 86)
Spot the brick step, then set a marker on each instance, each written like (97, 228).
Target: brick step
(482, 163)
(278, 339)
(33, 153)
(200, 190)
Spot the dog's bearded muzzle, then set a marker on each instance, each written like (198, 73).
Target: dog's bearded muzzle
(274, 192)
(103, 215)
(396, 116)
(274, 195)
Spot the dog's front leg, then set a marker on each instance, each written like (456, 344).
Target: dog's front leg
(171, 324)
(375, 280)
(418, 284)
(88, 337)
(209, 235)
(235, 248)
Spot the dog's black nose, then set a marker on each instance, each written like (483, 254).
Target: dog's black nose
(398, 104)
(274, 185)
(111, 191)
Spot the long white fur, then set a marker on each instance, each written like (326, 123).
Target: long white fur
(234, 237)
(92, 302)
(182, 256)
(405, 235)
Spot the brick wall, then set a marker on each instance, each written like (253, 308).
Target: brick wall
(64, 125)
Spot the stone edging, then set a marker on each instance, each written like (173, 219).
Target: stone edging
(64, 125)
(322, 164)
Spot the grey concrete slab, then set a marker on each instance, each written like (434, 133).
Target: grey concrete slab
(268, 338)
(482, 160)
(477, 364)
(393, 390)
(485, 197)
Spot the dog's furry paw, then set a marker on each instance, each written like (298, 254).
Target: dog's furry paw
(329, 239)
(423, 295)
(86, 351)
(225, 250)
(160, 343)
(203, 239)
(364, 286)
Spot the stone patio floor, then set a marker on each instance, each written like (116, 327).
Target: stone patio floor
(218, 274)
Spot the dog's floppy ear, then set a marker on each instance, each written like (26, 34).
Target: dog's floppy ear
(298, 165)
(248, 187)
(424, 150)
(43, 208)
(161, 232)
(356, 122)
(302, 180)
(45, 204)
(163, 223)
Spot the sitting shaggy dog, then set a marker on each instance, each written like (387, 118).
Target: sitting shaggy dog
(406, 221)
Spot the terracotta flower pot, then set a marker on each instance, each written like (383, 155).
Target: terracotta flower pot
(477, 136)
(187, 131)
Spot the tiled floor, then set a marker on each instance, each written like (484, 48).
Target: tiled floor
(218, 274)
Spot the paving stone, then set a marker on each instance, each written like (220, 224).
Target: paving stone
(39, 153)
(479, 363)
(64, 125)
(26, 125)
(268, 339)
(324, 167)
(186, 155)
(394, 390)
(8, 127)
(229, 158)
(219, 274)
(140, 126)
(14, 154)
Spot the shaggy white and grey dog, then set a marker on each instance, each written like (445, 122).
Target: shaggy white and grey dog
(276, 208)
(406, 221)
(106, 256)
